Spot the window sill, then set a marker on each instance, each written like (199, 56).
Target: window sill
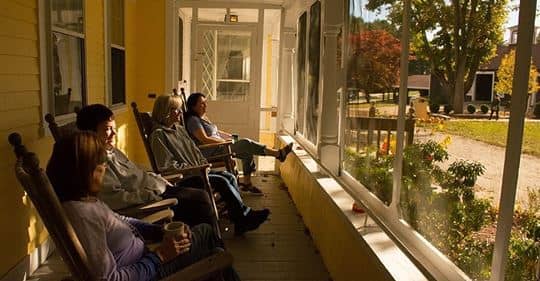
(381, 249)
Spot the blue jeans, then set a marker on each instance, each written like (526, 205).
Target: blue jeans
(244, 149)
(224, 183)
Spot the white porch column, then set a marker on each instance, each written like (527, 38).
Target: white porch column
(171, 45)
(516, 124)
(330, 77)
(286, 90)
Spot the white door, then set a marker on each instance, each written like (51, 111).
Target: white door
(225, 71)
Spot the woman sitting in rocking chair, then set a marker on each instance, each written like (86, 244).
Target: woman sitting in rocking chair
(115, 244)
(205, 132)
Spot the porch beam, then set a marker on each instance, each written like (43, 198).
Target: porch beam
(204, 4)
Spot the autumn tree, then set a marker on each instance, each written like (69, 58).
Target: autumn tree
(374, 66)
(505, 75)
(456, 37)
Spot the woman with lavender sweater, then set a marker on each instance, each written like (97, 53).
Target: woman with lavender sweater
(115, 245)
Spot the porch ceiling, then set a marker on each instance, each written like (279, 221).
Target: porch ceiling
(272, 2)
(283, 3)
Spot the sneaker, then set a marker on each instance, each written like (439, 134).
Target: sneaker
(251, 221)
(250, 190)
(283, 152)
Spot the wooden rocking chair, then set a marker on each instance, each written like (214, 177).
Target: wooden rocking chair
(37, 186)
(145, 124)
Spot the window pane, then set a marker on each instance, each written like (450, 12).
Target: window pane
(452, 173)
(301, 72)
(68, 73)
(524, 247)
(233, 65)
(245, 15)
(118, 76)
(214, 15)
(314, 42)
(373, 63)
(116, 21)
(67, 14)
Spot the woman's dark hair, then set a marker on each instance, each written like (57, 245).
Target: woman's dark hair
(89, 117)
(190, 104)
(72, 164)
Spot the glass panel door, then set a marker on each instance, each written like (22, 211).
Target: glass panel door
(223, 68)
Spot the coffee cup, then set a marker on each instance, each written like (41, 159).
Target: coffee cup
(175, 229)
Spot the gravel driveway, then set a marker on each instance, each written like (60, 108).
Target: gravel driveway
(492, 157)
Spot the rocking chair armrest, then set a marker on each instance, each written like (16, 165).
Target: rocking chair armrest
(203, 269)
(172, 175)
(173, 178)
(213, 145)
(201, 169)
(220, 157)
(163, 215)
(143, 210)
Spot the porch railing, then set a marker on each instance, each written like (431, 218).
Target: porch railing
(366, 130)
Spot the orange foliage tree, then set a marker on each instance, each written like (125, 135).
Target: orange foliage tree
(374, 65)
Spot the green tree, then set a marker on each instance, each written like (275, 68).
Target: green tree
(456, 37)
(505, 75)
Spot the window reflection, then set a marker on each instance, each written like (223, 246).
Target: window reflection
(314, 56)
(233, 65)
(68, 77)
(67, 14)
(301, 72)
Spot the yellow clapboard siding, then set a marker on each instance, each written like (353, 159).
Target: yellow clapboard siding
(19, 100)
(31, 135)
(19, 118)
(14, 10)
(18, 83)
(18, 29)
(95, 70)
(27, 3)
(19, 47)
(19, 65)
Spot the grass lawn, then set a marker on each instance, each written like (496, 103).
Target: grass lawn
(495, 133)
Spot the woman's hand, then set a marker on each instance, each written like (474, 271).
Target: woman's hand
(225, 135)
(173, 246)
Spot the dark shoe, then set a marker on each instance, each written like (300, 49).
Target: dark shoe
(251, 221)
(250, 190)
(283, 152)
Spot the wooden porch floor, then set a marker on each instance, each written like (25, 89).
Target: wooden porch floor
(280, 249)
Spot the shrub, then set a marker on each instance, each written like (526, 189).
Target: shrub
(450, 217)
(434, 107)
(536, 110)
(448, 108)
(484, 108)
(471, 108)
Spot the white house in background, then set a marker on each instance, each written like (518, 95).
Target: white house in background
(482, 90)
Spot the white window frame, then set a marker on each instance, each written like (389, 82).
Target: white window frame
(300, 135)
(45, 61)
(108, 46)
(427, 257)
